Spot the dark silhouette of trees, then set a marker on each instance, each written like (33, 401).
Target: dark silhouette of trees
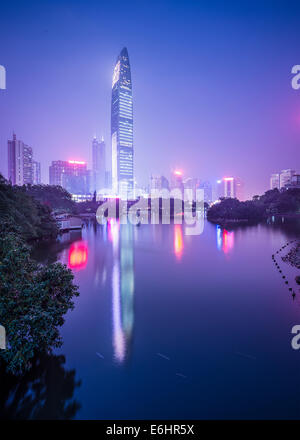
(33, 301)
(44, 392)
(23, 213)
(260, 207)
(53, 196)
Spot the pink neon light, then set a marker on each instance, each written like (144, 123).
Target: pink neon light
(228, 178)
(78, 255)
(178, 173)
(77, 162)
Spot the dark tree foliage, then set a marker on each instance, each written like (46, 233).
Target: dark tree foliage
(53, 196)
(23, 213)
(271, 203)
(33, 300)
(44, 392)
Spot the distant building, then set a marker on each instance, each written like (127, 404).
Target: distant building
(176, 180)
(218, 190)
(230, 187)
(207, 189)
(280, 180)
(71, 175)
(275, 181)
(98, 154)
(19, 162)
(286, 177)
(191, 184)
(36, 172)
(159, 182)
(239, 189)
(107, 179)
(295, 182)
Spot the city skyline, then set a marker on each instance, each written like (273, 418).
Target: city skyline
(63, 100)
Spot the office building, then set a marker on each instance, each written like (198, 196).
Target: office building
(98, 170)
(19, 162)
(275, 181)
(122, 128)
(71, 175)
(286, 177)
(36, 172)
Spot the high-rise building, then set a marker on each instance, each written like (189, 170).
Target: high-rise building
(98, 154)
(159, 182)
(71, 175)
(207, 191)
(19, 162)
(230, 187)
(239, 189)
(122, 128)
(36, 172)
(275, 181)
(176, 180)
(286, 177)
(295, 182)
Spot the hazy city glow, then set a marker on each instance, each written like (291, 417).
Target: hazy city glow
(77, 162)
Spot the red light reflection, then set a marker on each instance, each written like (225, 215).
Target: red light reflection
(78, 255)
(228, 241)
(178, 241)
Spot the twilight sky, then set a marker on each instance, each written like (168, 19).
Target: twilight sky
(211, 83)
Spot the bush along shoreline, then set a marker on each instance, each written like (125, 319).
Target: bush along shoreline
(230, 212)
(33, 298)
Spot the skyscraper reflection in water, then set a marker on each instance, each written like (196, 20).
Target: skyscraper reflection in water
(121, 237)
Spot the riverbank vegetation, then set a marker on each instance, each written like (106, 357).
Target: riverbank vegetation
(273, 202)
(33, 298)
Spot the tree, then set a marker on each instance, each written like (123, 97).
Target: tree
(26, 214)
(33, 301)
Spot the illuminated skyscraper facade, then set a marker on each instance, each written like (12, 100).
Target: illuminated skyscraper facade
(122, 128)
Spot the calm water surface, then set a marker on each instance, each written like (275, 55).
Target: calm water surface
(169, 325)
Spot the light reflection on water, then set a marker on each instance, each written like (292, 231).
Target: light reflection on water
(212, 305)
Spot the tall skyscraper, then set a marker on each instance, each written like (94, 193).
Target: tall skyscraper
(36, 172)
(19, 162)
(98, 153)
(122, 128)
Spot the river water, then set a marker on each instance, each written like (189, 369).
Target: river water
(169, 326)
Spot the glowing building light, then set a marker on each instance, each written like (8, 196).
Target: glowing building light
(178, 173)
(77, 162)
(228, 179)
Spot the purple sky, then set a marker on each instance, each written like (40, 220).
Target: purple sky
(211, 83)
